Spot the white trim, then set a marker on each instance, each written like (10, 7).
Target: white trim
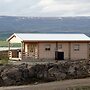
(13, 36)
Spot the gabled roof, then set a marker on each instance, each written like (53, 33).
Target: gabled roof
(50, 37)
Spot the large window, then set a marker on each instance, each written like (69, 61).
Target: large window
(47, 47)
(31, 47)
(76, 47)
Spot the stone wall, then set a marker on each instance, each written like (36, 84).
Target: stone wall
(26, 74)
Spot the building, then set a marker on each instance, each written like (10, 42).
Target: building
(60, 46)
(4, 53)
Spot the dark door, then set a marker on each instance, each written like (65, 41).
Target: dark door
(59, 55)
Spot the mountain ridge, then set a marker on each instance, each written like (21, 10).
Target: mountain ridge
(13, 24)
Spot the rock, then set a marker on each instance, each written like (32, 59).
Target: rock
(82, 72)
(31, 72)
(23, 69)
(25, 74)
(11, 76)
(1, 82)
(35, 83)
(71, 70)
(3, 67)
(60, 76)
(39, 71)
(55, 73)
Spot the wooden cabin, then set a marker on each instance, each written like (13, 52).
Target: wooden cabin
(62, 46)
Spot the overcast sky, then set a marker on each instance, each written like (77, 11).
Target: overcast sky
(49, 8)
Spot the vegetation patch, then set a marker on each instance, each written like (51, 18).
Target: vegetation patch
(4, 60)
(4, 43)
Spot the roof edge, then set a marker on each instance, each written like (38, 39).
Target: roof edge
(12, 37)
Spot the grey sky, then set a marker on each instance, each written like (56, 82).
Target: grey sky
(45, 8)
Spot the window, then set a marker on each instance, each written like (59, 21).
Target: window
(60, 46)
(76, 47)
(47, 47)
(31, 47)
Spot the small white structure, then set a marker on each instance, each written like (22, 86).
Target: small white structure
(52, 46)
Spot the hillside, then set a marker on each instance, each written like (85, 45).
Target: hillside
(9, 25)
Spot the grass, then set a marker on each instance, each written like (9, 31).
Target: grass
(4, 59)
(79, 88)
(4, 43)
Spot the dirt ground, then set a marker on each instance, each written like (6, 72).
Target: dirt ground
(58, 85)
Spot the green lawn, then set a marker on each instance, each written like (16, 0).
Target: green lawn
(4, 43)
(4, 61)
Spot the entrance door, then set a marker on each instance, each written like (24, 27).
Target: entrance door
(59, 55)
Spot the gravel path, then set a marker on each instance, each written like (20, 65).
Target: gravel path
(58, 85)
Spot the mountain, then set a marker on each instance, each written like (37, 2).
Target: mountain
(12, 24)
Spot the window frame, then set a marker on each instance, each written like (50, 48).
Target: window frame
(60, 46)
(76, 47)
(47, 47)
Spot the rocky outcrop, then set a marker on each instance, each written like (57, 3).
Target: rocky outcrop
(26, 74)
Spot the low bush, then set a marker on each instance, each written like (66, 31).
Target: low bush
(4, 60)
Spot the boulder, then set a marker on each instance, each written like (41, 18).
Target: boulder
(39, 70)
(11, 76)
(1, 82)
(55, 73)
(25, 74)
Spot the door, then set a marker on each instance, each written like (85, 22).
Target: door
(59, 55)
